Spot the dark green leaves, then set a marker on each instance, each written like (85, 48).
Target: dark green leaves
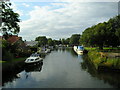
(10, 20)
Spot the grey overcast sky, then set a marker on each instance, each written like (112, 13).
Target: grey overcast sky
(61, 19)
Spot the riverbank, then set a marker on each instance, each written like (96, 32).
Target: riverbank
(104, 63)
(14, 60)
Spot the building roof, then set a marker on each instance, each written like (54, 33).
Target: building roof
(13, 39)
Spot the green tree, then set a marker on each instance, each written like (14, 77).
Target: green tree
(102, 34)
(118, 34)
(67, 41)
(50, 42)
(74, 39)
(10, 20)
(56, 42)
(42, 40)
(63, 41)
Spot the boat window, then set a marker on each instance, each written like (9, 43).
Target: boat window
(36, 58)
(34, 55)
(27, 59)
(31, 59)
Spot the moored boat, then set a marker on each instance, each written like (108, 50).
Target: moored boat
(34, 58)
(79, 49)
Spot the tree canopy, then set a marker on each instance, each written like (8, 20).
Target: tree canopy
(103, 34)
(74, 39)
(10, 20)
(42, 40)
(50, 42)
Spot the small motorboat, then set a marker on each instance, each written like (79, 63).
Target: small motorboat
(79, 49)
(34, 58)
(47, 50)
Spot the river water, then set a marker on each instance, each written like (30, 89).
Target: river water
(62, 68)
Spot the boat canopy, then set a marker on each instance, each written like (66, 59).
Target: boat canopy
(80, 48)
(35, 55)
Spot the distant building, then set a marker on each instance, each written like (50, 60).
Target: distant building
(31, 43)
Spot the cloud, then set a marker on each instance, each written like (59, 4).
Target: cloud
(61, 20)
(65, 0)
(26, 5)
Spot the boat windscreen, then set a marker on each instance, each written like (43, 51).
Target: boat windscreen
(31, 59)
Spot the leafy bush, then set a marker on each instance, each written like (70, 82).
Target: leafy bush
(7, 56)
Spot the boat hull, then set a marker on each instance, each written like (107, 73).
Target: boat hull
(79, 52)
(34, 62)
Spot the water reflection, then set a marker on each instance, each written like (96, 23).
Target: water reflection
(72, 52)
(11, 71)
(61, 68)
(108, 77)
(34, 67)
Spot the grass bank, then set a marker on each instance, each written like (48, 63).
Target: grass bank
(14, 60)
(105, 49)
(103, 63)
(2, 61)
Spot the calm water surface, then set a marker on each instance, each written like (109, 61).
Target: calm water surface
(60, 69)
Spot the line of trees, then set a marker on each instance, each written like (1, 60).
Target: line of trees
(73, 40)
(103, 34)
(106, 34)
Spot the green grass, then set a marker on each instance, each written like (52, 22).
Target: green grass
(14, 60)
(114, 62)
(105, 49)
(2, 61)
(97, 60)
(19, 59)
(91, 48)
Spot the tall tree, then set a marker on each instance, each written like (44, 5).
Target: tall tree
(10, 20)
(74, 39)
(67, 41)
(50, 42)
(42, 40)
(103, 34)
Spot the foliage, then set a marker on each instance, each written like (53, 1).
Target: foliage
(6, 55)
(10, 20)
(103, 34)
(65, 41)
(74, 39)
(5, 44)
(42, 40)
(57, 42)
(50, 42)
(97, 60)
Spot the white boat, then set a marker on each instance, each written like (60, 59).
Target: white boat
(79, 49)
(75, 48)
(47, 50)
(34, 58)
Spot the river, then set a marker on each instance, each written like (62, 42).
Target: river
(62, 68)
